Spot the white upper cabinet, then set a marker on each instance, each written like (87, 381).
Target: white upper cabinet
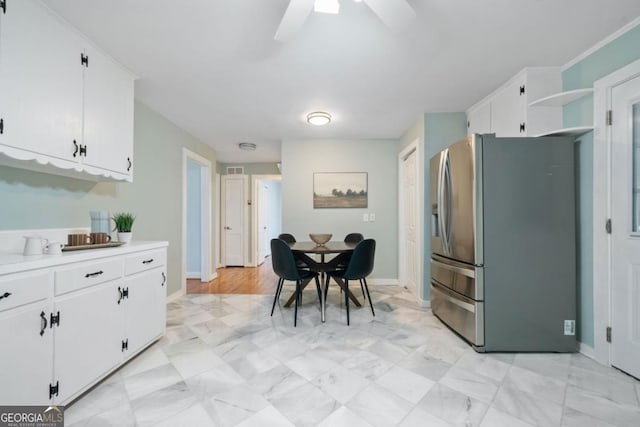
(479, 119)
(108, 114)
(40, 82)
(509, 109)
(66, 108)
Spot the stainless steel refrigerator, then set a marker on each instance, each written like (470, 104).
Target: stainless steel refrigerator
(503, 242)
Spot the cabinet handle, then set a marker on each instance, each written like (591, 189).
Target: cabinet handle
(130, 164)
(164, 279)
(522, 127)
(120, 294)
(147, 261)
(97, 273)
(83, 150)
(1, 126)
(75, 153)
(5, 295)
(44, 323)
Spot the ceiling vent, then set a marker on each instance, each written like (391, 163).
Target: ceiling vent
(235, 170)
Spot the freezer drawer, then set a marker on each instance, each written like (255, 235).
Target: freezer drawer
(463, 315)
(465, 279)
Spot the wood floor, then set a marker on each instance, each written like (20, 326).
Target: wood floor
(238, 280)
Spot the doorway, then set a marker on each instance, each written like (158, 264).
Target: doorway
(617, 302)
(234, 220)
(197, 253)
(410, 226)
(266, 214)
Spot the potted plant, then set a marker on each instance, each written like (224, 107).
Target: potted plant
(124, 222)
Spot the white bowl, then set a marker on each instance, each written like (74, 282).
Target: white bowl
(320, 239)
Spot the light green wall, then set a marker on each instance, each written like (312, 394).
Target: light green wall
(300, 159)
(620, 52)
(37, 200)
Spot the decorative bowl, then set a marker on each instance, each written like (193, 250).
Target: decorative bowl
(320, 239)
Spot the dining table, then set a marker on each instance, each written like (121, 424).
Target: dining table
(302, 250)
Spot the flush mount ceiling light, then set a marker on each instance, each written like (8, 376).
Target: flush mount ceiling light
(326, 6)
(319, 118)
(247, 146)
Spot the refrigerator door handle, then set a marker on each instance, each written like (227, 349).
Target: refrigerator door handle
(440, 216)
(449, 218)
(468, 272)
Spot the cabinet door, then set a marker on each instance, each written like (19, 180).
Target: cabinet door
(108, 114)
(144, 308)
(26, 359)
(40, 82)
(508, 110)
(479, 119)
(88, 341)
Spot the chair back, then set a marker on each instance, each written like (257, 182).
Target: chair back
(287, 237)
(283, 261)
(353, 238)
(361, 262)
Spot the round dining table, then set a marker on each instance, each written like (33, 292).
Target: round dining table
(303, 249)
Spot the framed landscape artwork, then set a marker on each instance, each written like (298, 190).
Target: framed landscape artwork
(340, 190)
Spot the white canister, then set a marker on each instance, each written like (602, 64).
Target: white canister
(34, 245)
(55, 248)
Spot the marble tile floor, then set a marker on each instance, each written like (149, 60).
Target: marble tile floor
(225, 362)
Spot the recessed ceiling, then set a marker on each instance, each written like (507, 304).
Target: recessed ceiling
(214, 68)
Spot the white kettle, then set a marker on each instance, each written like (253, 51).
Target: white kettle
(34, 245)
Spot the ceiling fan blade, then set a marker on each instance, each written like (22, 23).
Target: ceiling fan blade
(396, 14)
(293, 19)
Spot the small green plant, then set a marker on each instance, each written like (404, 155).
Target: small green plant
(124, 221)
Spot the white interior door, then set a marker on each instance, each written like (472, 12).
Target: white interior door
(625, 239)
(264, 200)
(233, 225)
(409, 188)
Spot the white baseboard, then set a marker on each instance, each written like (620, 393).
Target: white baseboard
(213, 275)
(587, 350)
(424, 303)
(175, 296)
(193, 274)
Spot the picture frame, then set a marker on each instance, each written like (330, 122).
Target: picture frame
(340, 190)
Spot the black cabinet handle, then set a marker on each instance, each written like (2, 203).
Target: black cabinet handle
(1, 126)
(5, 295)
(83, 150)
(121, 296)
(164, 279)
(75, 153)
(147, 261)
(97, 273)
(130, 164)
(44, 323)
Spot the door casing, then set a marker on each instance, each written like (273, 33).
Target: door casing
(602, 191)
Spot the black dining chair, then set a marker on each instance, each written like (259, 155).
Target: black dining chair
(284, 265)
(342, 260)
(359, 267)
(287, 238)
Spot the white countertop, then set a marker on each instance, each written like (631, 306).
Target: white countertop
(16, 262)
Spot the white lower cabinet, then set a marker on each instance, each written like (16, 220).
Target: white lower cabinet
(26, 356)
(144, 311)
(64, 328)
(26, 339)
(88, 338)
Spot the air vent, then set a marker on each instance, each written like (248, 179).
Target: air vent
(235, 170)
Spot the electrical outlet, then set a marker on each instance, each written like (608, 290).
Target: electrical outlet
(365, 217)
(372, 217)
(569, 327)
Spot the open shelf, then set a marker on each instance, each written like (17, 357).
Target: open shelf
(575, 131)
(562, 98)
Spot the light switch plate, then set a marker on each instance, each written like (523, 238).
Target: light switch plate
(372, 217)
(365, 217)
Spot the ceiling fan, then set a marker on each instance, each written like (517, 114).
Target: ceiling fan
(395, 14)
